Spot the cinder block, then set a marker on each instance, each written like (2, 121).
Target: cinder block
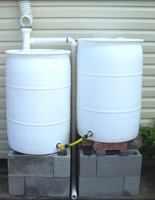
(62, 165)
(87, 164)
(30, 165)
(100, 186)
(131, 185)
(16, 185)
(54, 187)
(117, 165)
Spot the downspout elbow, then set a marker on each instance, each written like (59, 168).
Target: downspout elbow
(71, 41)
(26, 18)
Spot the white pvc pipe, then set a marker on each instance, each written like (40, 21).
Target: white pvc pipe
(26, 38)
(53, 40)
(47, 40)
(73, 119)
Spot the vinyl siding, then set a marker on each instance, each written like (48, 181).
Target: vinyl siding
(132, 19)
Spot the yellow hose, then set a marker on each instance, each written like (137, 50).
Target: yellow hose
(63, 146)
(76, 142)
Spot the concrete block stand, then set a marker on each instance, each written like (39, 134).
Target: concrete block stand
(43, 175)
(109, 175)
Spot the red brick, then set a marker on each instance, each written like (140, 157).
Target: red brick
(110, 146)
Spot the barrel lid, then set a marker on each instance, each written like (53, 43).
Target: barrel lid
(39, 52)
(103, 40)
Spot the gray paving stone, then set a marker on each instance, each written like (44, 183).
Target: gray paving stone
(131, 185)
(54, 187)
(30, 165)
(87, 164)
(16, 185)
(116, 165)
(100, 186)
(62, 165)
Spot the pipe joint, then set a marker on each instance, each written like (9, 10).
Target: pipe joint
(71, 40)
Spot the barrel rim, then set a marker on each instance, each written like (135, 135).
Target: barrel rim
(39, 52)
(104, 40)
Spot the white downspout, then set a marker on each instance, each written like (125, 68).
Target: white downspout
(26, 18)
(26, 21)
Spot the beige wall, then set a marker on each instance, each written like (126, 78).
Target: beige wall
(133, 19)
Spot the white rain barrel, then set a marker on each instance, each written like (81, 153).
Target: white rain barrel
(109, 88)
(38, 99)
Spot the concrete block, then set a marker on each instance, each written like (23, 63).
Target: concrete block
(30, 165)
(131, 185)
(16, 185)
(100, 186)
(62, 165)
(117, 165)
(87, 164)
(54, 187)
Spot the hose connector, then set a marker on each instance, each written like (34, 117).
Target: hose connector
(90, 133)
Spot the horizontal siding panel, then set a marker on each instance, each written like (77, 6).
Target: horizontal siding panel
(2, 70)
(2, 102)
(149, 81)
(9, 45)
(149, 59)
(146, 122)
(2, 113)
(18, 45)
(16, 35)
(2, 124)
(4, 145)
(94, 3)
(148, 103)
(148, 114)
(2, 81)
(78, 12)
(4, 154)
(2, 59)
(148, 92)
(149, 70)
(3, 135)
(9, 12)
(91, 23)
(138, 3)
(2, 92)
(149, 47)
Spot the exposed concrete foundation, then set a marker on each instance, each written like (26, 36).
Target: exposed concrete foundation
(44, 175)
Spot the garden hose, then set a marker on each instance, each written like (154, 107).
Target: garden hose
(64, 146)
